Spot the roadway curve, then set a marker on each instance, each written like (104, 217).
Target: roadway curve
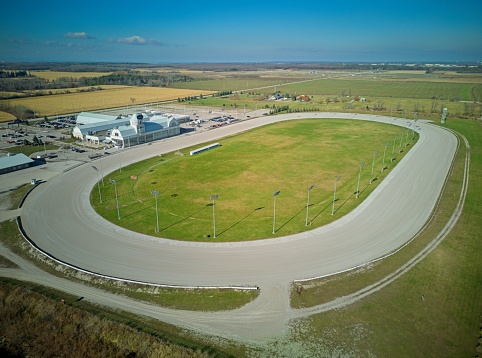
(58, 218)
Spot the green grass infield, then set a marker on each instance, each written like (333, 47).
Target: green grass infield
(245, 171)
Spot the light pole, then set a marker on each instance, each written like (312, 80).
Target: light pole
(373, 166)
(359, 174)
(101, 171)
(406, 138)
(213, 198)
(308, 204)
(401, 139)
(116, 200)
(276, 193)
(156, 193)
(98, 184)
(393, 149)
(384, 152)
(118, 155)
(334, 196)
(413, 129)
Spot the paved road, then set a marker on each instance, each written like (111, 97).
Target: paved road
(70, 230)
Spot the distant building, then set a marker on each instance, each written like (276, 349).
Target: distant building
(88, 118)
(139, 128)
(303, 98)
(97, 132)
(143, 129)
(14, 162)
(275, 97)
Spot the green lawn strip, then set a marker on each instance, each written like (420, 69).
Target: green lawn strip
(186, 299)
(108, 326)
(433, 309)
(192, 299)
(324, 290)
(30, 149)
(245, 171)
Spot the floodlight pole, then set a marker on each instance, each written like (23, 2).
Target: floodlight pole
(156, 193)
(393, 149)
(384, 152)
(276, 193)
(98, 184)
(373, 166)
(413, 127)
(308, 204)
(401, 139)
(118, 155)
(334, 196)
(406, 138)
(359, 174)
(101, 171)
(116, 199)
(213, 198)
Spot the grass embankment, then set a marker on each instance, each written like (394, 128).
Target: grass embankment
(245, 171)
(433, 309)
(44, 322)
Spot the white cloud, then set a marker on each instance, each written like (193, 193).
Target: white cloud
(135, 40)
(78, 35)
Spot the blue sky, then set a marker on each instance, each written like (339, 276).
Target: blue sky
(241, 31)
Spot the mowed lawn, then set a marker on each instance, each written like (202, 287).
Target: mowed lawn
(244, 172)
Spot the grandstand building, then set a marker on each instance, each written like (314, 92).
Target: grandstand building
(125, 132)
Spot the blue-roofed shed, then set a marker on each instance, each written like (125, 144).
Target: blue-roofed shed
(13, 162)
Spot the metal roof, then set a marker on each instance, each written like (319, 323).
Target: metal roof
(91, 118)
(14, 160)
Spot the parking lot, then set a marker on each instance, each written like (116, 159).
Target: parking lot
(57, 132)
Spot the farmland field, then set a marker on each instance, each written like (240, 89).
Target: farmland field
(87, 101)
(5, 117)
(55, 75)
(245, 171)
(58, 91)
(356, 87)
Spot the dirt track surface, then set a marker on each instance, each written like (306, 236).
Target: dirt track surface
(67, 228)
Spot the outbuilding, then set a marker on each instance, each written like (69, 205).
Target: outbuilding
(13, 162)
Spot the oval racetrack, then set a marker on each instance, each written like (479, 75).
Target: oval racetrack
(58, 218)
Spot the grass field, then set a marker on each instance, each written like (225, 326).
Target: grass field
(244, 172)
(362, 87)
(30, 149)
(109, 98)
